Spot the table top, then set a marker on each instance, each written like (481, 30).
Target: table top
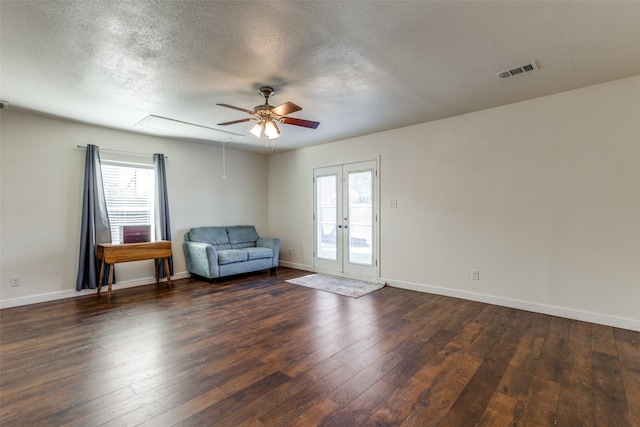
(125, 252)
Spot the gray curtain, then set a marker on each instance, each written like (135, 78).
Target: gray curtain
(163, 226)
(95, 222)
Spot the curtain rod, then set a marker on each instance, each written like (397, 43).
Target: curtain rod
(121, 152)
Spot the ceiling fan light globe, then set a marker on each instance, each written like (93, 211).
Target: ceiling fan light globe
(257, 129)
(271, 130)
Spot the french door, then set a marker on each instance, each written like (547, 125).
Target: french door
(346, 219)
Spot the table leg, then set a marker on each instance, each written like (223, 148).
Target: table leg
(100, 277)
(155, 264)
(167, 271)
(110, 281)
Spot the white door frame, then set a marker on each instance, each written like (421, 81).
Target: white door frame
(338, 263)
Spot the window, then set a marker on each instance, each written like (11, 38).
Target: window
(129, 191)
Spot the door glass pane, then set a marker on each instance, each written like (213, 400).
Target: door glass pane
(361, 217)
(327, 217)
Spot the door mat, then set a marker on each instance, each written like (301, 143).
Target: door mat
(337, 285)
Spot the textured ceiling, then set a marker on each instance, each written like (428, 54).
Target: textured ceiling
(357, 67)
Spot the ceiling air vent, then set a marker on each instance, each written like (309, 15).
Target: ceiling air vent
(517, 70)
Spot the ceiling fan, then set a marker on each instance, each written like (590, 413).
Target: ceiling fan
(266, 116)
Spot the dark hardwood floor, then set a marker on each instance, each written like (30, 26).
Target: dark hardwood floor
(257, 351)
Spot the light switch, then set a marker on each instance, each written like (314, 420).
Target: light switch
(393, 204)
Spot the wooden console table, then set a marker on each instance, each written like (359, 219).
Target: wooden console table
(110, 254)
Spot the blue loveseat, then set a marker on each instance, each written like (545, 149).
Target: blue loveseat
(213, 252)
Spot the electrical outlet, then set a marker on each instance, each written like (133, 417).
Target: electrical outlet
(475, 274)
(15, 281)
(393, 204)
(290, 251)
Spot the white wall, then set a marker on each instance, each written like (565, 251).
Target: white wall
(543, 197)
(41, 182)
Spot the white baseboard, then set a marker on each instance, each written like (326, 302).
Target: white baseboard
(295, 265)
(569, 313)
(71, 293)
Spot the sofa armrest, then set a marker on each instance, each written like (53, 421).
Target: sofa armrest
(202, 259)
(274, 244)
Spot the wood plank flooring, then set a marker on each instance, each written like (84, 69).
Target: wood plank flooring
(257, 351)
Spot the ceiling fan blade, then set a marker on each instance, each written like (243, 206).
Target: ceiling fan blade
(237, 121)
(299, 122)
(284, 109)
(237, 108)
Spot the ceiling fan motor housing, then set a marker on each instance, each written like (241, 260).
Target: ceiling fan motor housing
(263, 109)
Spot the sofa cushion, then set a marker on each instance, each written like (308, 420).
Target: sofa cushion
(258, 253)
(242, 236)
(216, 236)
(229, 256)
